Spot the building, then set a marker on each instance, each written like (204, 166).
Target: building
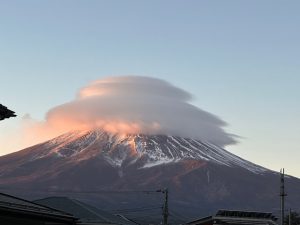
(17, 211)
(237, 218)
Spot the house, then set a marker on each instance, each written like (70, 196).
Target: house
(237, 218)
(17, 211)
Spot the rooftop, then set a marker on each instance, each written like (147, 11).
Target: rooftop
(238, 217)
(12, 203)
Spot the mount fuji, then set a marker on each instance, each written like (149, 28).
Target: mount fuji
(200, 176)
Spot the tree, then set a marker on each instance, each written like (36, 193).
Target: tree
(295, 218)
(5, 112)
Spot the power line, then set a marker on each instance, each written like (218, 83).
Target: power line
(67, 191)
(178, 215)
(165, 211)
(136, 209)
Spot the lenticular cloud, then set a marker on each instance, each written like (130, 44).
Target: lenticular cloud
(133, 104)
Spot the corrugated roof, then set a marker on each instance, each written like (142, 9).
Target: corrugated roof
(246, 214)
(239, 217)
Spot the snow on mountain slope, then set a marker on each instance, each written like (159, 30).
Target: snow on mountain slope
(152, 150)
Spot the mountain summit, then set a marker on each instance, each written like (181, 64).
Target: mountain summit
(201, 176)
(122, 150)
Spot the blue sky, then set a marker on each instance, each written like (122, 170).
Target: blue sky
(240, 60)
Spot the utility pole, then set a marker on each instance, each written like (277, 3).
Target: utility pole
(282, 195)
(166, 207)
(290, 217)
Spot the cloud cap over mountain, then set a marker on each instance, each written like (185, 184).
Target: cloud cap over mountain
(135, 104)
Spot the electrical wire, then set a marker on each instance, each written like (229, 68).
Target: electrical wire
(136, 209)
(83, 192)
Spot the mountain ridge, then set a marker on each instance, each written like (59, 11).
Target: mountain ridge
(160, 149)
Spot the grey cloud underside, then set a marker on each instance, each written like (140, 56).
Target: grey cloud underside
(131, 85)
(144, 101)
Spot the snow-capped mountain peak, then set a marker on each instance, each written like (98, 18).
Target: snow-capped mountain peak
(149, 150)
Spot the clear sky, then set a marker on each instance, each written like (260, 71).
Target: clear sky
(240, 60)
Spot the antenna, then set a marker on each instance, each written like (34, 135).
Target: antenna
(282, 195)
